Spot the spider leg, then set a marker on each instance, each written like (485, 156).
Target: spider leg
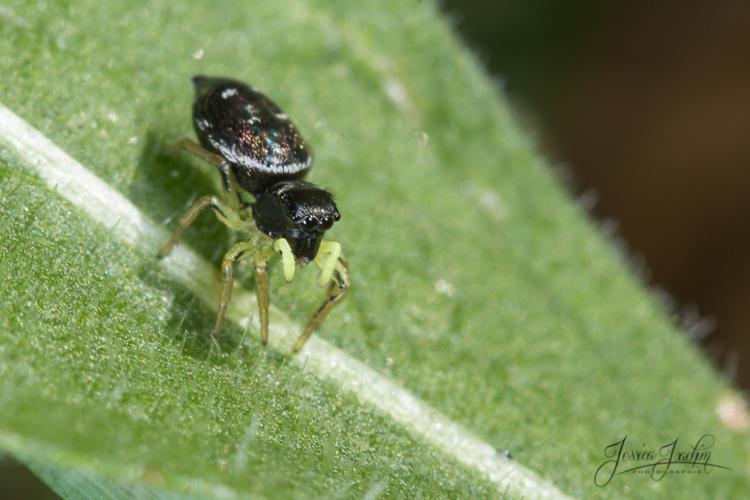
(260, 263)
(337, 290)
(196, 149)
(235, 253)
(228, 180)
(225, 213)
(261, 292)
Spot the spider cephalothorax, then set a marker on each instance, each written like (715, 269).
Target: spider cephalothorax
(298, 211)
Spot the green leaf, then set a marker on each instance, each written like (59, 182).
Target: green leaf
(77, 484)
(478, 285)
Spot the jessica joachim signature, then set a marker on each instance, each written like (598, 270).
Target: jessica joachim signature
(656, 462)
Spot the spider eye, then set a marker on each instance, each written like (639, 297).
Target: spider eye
(309, 224)
(326, 223)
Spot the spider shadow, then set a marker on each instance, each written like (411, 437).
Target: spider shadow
(190, 322)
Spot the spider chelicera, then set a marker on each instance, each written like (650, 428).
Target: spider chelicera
(257, 148)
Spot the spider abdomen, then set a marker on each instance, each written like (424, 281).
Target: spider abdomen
(250, 132)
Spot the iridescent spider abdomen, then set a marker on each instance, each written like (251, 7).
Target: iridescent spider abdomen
(250, 132)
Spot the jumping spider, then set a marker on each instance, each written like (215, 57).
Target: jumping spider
(258, 149)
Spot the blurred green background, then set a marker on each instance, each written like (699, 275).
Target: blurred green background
(645, 107)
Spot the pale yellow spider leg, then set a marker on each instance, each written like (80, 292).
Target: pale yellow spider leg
(228, 180)
(337, 290)
(235, 253)
(223, 212)
(196, 149)
(326, 259)
(287, 258)
(260, 263)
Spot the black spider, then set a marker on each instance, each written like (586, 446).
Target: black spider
(258, 149)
